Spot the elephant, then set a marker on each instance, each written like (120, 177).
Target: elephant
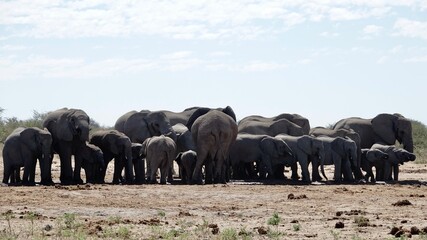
(160, 151)
(93, 163)
(184, 139)
(138, 161)
(371, 158)
(186, 162)
(203, 110)
(271, 128)
(139, 126)
(184, 116)
(396, 156)
(22, 148)
(339, 152)
(295, 118)
(265, 150)
(305, 149)
(342, 132)
(384, 128)
(70, 131)
(117, 145)
(213, 134)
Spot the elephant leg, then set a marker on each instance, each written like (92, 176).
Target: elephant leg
(66, 175)
(347, 172)
(337, 168)
(77, 169)
(139, 171)
(6, 174)
(118, 166)
(164, 172)
(128, 171)
(303, 162)
(294, 169)
(153, 171)
(396, 172)
(315, 170)
(197, 173)
(209, 169)
(387, 171)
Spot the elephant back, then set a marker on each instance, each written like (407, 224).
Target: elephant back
(120, 123)
(62, 124)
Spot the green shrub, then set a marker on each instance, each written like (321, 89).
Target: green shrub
(419, 135)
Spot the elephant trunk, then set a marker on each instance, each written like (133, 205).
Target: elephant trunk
(45, 167)
(408, 144)
(171, 134)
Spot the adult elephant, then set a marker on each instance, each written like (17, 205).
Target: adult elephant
(305, 149)
(264, 150)
(70, 131)
(22, 148)
(117, 145)
(384, 128)
(271, 128)
(184, 139)
(295, 118)
(342, 132)
(160, 151)
(338, 152)
(213, 133)
(139, 126)
(396, 156)
(179, 117)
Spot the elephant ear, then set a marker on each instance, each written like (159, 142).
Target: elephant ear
(30, 137)
(178, 159)
(110, 140)
(337, 145)
(65, 127)
(305, 144)
(268, 146)
(196, 114)
(230, 112)
(385, 127)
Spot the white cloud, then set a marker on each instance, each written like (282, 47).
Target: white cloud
(382, 60)
(372, 29)
(421, 59)
(13, 48)
(410, 28)
(329, 34)
(203, 19)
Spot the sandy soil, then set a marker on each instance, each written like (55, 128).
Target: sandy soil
(238, 210)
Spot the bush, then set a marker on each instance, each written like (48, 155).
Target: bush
(419, 135)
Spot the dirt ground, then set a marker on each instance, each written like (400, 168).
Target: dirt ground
(238, 210)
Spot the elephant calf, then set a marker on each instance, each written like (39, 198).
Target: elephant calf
(22, 148)
(160, 151)
(93, 163)
(186, 162)
(369, 159)
(396, 156)
(138, 160)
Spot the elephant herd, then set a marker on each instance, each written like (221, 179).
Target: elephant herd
(209, 146)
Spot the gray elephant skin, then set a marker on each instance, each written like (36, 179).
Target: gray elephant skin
(184, 139)
(93, 163)
(384, 128)
(305, 149)
(396, 157)
(342, 132)
(371, 158)
(139, 126)
(263, 150)
(186, 162)
(117, 145)
(70, 131)
(138, 160)
(271, 128)
(213, 133)
(339, 152)
(294, 118)
(22, 148)
(160, 151)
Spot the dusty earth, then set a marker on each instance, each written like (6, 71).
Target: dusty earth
(238, 210)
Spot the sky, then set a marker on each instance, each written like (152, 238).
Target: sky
(325, 60)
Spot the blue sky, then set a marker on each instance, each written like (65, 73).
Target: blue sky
(325, 60)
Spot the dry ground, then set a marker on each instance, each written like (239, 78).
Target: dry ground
(234, 211)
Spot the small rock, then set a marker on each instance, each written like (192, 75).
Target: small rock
(291, 196)
(339, 213)
(262, 230)
(294, 221)
(404, 221)
(394, 230)
(212, 225)
(48, 227)
(424, 230)
(399, 233)
(339, 225)
(215, 231)
(312, 235)
(415, 230)
(402, 203)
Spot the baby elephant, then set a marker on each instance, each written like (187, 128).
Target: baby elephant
(371, 158)
(93, 163)
(396, 156)
(160, 151)
(22, 148)
(138, 163)
(186, 162)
